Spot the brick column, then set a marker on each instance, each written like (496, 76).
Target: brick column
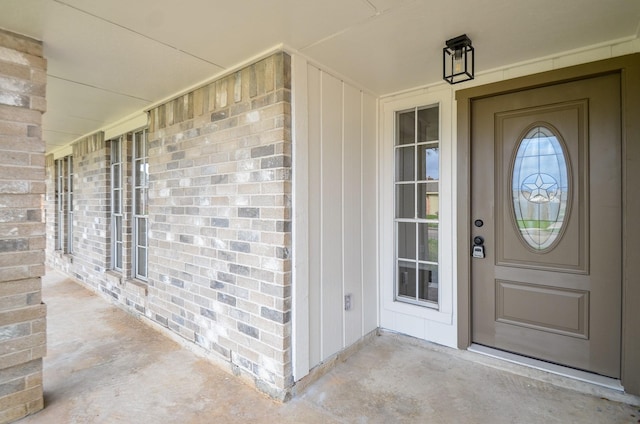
(22, 230)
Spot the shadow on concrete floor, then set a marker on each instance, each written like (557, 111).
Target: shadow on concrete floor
(105, 366)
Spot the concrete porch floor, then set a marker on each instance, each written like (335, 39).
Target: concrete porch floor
(105, 366)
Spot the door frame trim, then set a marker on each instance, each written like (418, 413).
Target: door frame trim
(628, 67)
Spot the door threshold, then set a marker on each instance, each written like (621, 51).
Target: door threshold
(599, 380)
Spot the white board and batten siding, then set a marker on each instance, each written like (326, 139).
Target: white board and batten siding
(335, 215)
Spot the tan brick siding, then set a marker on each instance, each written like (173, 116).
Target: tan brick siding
(22, 229)
(219, 221)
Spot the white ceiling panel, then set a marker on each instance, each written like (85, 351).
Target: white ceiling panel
(85, 106)
(385, 5)
(403, 48)
(223, 31)
(108, 59)
(26, 17)
(103, 55)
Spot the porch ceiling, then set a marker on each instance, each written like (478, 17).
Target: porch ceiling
(109, 59)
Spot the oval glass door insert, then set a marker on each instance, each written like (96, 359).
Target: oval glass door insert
(540, 186)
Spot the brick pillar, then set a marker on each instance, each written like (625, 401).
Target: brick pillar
(22, 230)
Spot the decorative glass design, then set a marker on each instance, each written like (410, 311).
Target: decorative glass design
(540, 186)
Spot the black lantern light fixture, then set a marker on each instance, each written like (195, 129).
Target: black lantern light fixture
(458, 60)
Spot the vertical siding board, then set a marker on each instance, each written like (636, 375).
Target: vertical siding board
(332, 326)
(352, 212)
(369, 220)
(315, 312)
(342, 184)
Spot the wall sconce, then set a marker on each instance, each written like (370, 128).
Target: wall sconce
(458, 60)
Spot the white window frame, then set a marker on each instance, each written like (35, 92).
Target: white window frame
(415, 220)
(140, 188)
(117, 198)
(427, 323)
(69, 209)
(60, 203)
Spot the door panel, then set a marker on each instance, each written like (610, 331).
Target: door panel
(569, 250)
(546, 170)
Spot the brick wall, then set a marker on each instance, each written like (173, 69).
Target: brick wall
(22, 238)
(219, 219)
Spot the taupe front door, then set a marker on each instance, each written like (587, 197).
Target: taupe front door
(546, 206)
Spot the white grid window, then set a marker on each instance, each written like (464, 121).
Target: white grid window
(417, 180)
(117, 197)
(60, 202)
(69, 209)
(64, 204)
(140, 210)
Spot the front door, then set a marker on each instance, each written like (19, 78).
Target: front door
(546, 222)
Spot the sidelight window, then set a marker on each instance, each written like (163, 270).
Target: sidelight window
(417, 195)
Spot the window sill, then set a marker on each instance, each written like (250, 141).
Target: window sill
(140, 287)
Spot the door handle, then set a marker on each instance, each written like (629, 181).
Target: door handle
(477, 250)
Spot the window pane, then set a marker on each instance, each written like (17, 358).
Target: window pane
(428, 162)
(115, 151)
(405, 164)
(428, 242)
(140, 144)
(117, 176)
(117, 205)
(141, 229)
(137, 166)
(406, 279)
(428, 124)
(405, 201)
(143, 174)
(428, 202)
(117, 222)
(117, 261)
(428, 282)
(406, 128)
(141, 202)
(406, 240)
(141, 262)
